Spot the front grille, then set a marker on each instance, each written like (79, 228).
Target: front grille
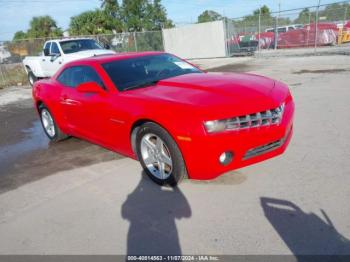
(264, 118)
(266, 148)
(263, 149)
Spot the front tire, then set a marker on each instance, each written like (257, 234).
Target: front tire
(31, 77)
(159, 155)
(50, 127)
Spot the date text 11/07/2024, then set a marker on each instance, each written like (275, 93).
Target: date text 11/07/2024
(174, 258)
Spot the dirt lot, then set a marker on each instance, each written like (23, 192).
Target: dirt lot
(77, 198)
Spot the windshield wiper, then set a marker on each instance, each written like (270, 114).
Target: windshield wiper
(146, 84)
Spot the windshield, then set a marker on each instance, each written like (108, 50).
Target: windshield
(72, 46)
(146, 70)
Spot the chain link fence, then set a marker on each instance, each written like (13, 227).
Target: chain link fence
(308, 27)
(13, 52)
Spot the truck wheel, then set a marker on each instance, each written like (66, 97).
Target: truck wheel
(159, 155)
(31, 77)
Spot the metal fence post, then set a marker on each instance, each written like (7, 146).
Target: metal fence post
(276, 34)
(276, 25)
(259, 29)
(226, 33)
(2, 75)
(163, 42)
(308, 30)
(316, 24)
(135, 41)
(345, 13)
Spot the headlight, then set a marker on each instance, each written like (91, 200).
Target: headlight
(264, 118)
(221, 125)
(215, 126)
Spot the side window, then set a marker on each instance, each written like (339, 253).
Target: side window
(282, 30)
(47, 49)
(54, 49)
(64, 77)
(76, 75)
(290, 28)
(90, 75)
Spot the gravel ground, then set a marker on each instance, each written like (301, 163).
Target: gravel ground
(77, 198)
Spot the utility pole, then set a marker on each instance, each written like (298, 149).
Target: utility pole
(316, 23)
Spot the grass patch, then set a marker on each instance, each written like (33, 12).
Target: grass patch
(12, 75)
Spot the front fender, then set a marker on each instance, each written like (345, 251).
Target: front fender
(35, 66)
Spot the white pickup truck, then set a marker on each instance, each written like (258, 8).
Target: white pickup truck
(58, 52)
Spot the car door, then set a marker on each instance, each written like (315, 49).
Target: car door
(55, 61)
(86, 113)
(45, 59)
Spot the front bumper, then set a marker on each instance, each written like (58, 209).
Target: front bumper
(249, 146)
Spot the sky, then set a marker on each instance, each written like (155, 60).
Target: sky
(16, 14)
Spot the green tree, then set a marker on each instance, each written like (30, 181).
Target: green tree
(336, 11)
(144, 15)
(265, 11)
(332, 12)
(112, 12)
(157, 17)
(266, 19)
(304, 17)
(250, 23)
(40, 27)
(20, 35)
(111, 7)
(209, 16)
(134, 13)
(91, 23)
(43, 26)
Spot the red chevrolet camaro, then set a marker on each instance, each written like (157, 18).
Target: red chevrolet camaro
(175, 119)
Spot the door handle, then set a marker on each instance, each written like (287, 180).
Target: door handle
(63, 100)
(72, 102)
(43, 60)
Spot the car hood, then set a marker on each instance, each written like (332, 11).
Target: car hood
(88, 53)
(220, 93)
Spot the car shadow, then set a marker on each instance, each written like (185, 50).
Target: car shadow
(304, 233)
(152, 211)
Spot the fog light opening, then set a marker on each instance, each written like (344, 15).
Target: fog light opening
(226, 158)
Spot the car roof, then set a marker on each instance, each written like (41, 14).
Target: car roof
(105, 58)
(69, 39)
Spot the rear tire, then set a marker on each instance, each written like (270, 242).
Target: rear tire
(162, 161)
(49, 125)
(31, 77)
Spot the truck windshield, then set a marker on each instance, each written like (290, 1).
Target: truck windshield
(143, 71)
(72, 46)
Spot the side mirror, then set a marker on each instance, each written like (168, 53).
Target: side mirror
(90, 87)
(46, 52)
(54, 57)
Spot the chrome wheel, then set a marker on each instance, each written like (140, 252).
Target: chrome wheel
(31, 80)
(48, 123)
(156, 156)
